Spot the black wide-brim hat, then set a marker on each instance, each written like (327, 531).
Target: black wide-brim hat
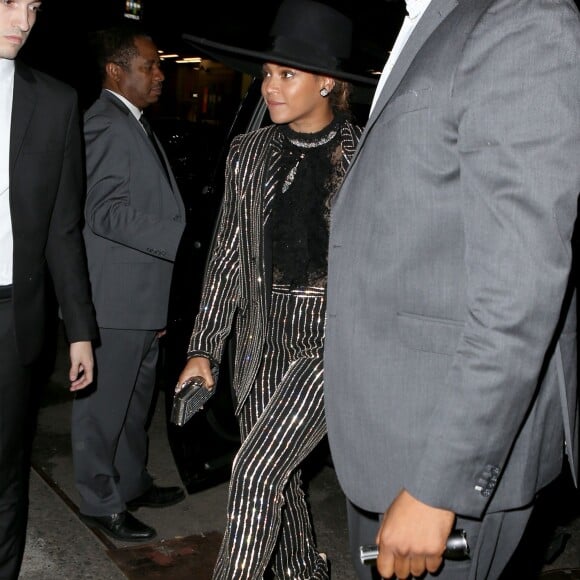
(305, 34)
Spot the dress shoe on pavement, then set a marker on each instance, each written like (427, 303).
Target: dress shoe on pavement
(157, 497)
(122, 526)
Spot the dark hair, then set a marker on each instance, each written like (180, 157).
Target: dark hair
(340, 96)
(116, 44)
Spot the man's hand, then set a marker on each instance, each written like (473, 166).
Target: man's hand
(197, 366)
(81, 365)
(412, 538)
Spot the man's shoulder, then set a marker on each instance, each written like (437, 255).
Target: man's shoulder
(97, 107)
(108, 106)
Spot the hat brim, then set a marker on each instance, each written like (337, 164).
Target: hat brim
(251, 61)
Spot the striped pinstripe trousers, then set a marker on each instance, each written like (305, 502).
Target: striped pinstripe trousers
(282, 421)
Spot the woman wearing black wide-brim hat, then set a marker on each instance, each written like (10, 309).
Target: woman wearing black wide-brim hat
(267, 276)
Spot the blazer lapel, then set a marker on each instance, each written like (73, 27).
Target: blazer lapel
(24, 101)
(173, 186)
(436, 12)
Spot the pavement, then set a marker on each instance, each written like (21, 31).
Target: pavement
(59, 545)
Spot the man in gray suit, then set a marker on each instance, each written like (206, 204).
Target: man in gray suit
(134, 221)
(450, 358)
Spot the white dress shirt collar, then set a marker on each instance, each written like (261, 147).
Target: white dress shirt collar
(415, 9)
(6, 242)
(136, 111)
(6, 69)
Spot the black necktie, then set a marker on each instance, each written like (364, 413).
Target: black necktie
(149, 132)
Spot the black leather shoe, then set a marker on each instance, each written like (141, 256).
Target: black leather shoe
(157, 497)
(122, 526)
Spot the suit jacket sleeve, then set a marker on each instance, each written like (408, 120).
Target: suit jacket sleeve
(65, 250)
(220, 295)
(111, 210)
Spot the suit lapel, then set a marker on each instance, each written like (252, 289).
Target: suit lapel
(436, 12)
(174, 188)
(24, 101)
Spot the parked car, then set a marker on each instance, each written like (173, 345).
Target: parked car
(204, 447)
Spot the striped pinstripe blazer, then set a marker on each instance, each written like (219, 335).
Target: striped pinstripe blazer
(238, 277)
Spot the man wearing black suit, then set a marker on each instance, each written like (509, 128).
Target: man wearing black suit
(134, 218)
(41, 189)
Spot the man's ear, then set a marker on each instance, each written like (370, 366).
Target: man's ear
(113, 70)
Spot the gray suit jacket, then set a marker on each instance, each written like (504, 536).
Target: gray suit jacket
(135, 218)
(450, 366)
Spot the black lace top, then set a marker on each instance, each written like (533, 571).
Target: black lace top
(310, 172)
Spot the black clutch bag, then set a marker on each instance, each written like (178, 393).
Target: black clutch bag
(189, 400)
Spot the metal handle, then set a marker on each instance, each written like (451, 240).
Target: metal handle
(457, 548)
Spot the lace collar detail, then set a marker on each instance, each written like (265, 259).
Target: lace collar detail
(312, 140)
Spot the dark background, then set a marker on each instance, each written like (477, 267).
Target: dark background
(59, 42)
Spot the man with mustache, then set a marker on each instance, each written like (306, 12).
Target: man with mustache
(134, 221)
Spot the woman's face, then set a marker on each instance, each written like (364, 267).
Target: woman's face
(293, 97)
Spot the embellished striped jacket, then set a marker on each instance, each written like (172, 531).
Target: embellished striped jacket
(238, 278)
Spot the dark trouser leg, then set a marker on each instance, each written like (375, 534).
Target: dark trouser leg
(133, 445)
(282, 421)
(362, 531)
(14, 448)
(296, 555)
(109, 435)
(499, 536)
(265, 490)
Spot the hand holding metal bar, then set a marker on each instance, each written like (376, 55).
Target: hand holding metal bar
(457, 548)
